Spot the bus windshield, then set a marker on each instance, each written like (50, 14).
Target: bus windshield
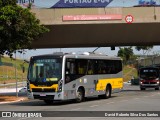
(42, 70)
(149, 73)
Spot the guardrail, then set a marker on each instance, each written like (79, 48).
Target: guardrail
(13, 84)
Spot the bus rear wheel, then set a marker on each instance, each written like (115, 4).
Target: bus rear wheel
(48, 102)
(107, 93)
(80, 95)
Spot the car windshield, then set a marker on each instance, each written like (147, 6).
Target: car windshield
(149, 73)
(45, 70)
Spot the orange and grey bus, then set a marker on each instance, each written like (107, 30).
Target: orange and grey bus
(67, 76)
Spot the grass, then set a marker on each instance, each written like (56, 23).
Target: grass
(8, 67)
(128, 72)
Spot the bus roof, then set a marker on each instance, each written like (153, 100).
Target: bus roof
(84, 55)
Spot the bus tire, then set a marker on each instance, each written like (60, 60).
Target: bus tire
(107, 92)
(80, 95)
(143, 88)
(157, 88)
(48, 102)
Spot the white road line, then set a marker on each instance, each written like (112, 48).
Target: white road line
(110, 103)
(75, 109)
(145, 96)
(94, 106)
(152, 95)
(137, 98)
(124, 100)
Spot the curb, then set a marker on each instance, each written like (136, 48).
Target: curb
(22, 99)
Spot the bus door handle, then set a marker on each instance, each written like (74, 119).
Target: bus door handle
(95, 81)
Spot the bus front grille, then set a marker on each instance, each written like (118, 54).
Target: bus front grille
(43, 90)
(150, 83)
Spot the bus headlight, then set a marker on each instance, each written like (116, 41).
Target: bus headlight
(60, 85)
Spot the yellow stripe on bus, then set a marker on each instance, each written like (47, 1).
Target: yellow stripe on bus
(55, 86)
(115, 83)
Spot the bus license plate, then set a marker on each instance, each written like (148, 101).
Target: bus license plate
(42, 94)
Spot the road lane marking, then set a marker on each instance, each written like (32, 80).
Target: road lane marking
(110, 103)
(137, 98)
(124, 100)
(145, 96)
(94, 106)
(76, 109)
(152, 95)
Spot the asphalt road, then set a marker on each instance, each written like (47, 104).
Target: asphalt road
(130, 99)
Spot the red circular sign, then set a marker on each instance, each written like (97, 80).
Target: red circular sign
(129, 19)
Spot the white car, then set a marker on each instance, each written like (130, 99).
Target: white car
(24, 89)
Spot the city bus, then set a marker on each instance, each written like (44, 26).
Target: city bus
(60, 76)
(149, 77)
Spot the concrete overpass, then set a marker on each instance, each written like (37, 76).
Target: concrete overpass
(145, 29)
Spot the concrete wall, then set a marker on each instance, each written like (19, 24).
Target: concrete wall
(140, 14)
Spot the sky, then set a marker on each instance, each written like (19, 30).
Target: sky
(104, 50)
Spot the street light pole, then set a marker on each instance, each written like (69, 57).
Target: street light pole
(16, 75)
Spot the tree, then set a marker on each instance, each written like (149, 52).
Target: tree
(125, 53)
(18, 27)
(144, 48)
(7, 2)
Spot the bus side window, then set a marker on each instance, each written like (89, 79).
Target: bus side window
(81, 65)
(91, 67)
(80, 69)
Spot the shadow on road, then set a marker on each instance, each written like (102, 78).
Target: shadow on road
(55, 103)
(147, 90)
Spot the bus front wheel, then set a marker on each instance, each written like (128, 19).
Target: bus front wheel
(80, 95)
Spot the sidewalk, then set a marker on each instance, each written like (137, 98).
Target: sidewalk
(10, 99)
(6, 90)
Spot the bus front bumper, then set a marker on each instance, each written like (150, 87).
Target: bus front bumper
(149, 85)
(45, 96)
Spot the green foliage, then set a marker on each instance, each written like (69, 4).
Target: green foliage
(125, 53)
(143, 47)
(7, 2)
(18, 28)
